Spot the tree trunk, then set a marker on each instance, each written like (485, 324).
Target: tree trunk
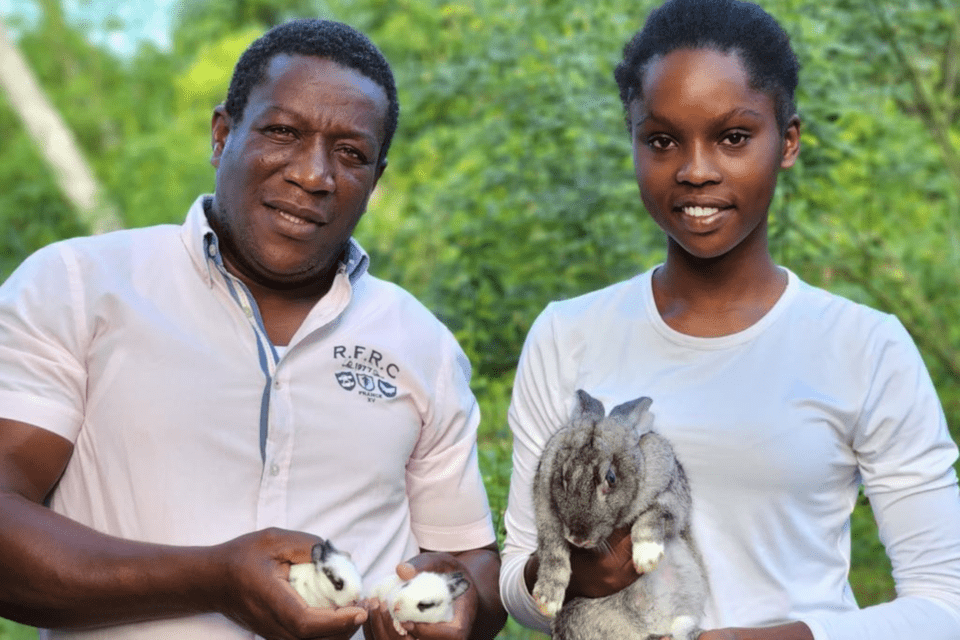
(54, 140)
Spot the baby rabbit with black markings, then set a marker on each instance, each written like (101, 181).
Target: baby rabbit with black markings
(600, 473)
(331, 580)
(427, 597)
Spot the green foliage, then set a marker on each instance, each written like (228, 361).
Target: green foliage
(12, 631)
(32, 211)
(524, 132)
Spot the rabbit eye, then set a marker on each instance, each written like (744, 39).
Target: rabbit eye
(334, 580)
(611, 477)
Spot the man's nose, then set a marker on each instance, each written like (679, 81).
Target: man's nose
(312, 168)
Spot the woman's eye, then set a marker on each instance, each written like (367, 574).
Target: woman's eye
(736, 138)
(659, 142)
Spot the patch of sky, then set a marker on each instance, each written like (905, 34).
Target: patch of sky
(121, 25)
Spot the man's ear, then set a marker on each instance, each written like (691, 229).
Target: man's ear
(380, 170)
(791, 143)
(219, 130)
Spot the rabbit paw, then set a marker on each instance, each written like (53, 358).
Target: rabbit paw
(646, 555)
(684, 628)
(549, 597)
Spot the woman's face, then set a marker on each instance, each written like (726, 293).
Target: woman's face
(707, 151)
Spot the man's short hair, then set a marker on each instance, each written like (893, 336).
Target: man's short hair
(334, 41)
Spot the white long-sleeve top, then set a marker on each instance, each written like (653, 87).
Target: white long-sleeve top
(777, 427)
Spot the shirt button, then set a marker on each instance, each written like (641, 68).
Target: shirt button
(274, 469)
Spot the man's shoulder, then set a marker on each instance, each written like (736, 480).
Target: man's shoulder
(391, 317)
(389, 304)
(390, 297)
(108, 251)
(121, 240)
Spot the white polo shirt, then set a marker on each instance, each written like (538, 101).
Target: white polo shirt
(191, 429)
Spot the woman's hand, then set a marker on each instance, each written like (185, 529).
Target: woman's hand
(594, 574)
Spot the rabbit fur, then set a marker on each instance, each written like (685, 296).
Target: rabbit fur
(331, 580)
(427, 597)
(597, 474)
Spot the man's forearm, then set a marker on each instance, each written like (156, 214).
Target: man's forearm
(484, 568)
(55, 572)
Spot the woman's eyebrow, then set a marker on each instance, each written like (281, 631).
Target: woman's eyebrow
(733, 113)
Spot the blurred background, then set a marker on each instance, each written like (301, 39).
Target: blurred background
(510, 181)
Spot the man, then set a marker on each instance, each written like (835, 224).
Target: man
(181, 404)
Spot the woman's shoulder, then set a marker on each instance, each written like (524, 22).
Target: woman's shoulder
(842, 317)
(582, 319)
(613, 301)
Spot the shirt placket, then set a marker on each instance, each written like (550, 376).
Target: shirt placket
(276, 425)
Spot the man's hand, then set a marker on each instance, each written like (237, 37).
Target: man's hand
(253, 589)
(380, 624)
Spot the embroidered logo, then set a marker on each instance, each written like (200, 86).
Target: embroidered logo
(346, 380)
(386, 388)
(365, 371)
(366, 382)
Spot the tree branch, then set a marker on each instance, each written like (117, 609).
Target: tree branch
(54, 140)
(931, 114)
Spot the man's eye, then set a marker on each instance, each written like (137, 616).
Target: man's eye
(354, 154)
(280, 131)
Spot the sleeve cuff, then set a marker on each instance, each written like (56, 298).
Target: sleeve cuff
(41, 412)
(469, 536)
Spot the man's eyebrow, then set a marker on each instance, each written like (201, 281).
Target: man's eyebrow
(345, 131)
(280, 109)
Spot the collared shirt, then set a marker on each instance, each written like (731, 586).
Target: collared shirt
(191, 429)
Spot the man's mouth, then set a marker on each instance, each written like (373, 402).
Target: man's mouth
(294, 214)
(292, 219)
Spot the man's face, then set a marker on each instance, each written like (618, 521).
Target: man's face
(294, 175)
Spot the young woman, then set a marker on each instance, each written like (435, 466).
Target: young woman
(781, 399)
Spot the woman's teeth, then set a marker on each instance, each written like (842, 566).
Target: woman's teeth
(700, 212)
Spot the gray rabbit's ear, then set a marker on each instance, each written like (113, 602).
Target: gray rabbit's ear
(635, 414)
(587, 406)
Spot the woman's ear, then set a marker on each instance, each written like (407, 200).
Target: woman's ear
(791, 143)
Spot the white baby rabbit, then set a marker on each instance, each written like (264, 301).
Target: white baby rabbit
(427, 597)
(331, 580)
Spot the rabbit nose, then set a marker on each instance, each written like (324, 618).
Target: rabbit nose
(583, 543)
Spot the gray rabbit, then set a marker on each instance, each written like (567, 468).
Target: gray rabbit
(600, 473)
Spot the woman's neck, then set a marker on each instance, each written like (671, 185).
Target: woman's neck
(716, 297)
